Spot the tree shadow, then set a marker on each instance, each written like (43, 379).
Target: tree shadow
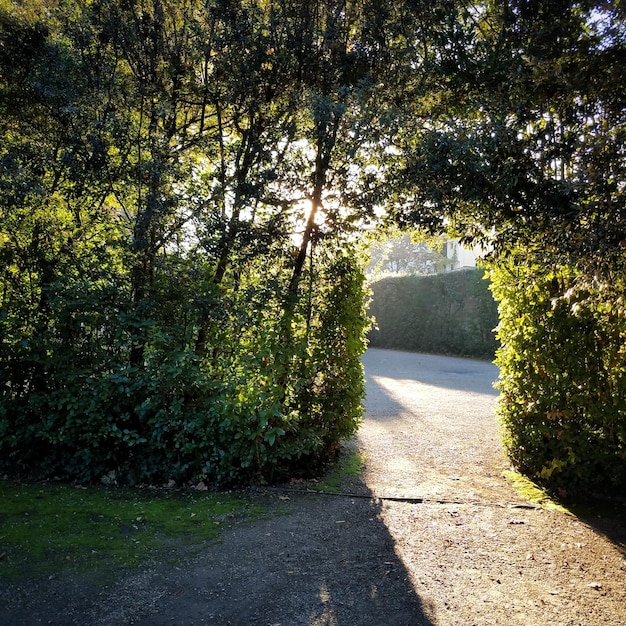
(401, 383)
(606, 516)
(455, 373)
(314, 560)
(321, 560)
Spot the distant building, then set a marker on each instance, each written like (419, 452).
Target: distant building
(458, 257)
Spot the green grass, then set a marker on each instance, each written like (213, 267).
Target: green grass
(344, 473)
(532, 492)
(49, 528)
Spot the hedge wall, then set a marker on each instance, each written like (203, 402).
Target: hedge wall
(452, 313)
(563, 376)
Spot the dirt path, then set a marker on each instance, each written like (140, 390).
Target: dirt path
(432, 536)
(474, 553)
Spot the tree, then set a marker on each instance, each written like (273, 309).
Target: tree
(157, 319)
(402, 255)
(527, 145)
(526, 154)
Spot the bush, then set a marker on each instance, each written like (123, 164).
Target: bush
(562, 376)
(263, 404)
(452, 313)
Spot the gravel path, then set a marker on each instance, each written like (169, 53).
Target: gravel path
(475, 553)
(430, 429)
(432, 536)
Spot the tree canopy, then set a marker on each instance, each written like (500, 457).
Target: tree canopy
(525, 154)
(180, 293)
(526, 146)
(184, 186)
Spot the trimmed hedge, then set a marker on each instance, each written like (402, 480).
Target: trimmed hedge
(562, 376)
(452, 313)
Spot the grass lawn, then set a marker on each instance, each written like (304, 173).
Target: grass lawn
(52, 528)
(49, 528)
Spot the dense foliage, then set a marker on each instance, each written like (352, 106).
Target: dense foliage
(181, 182)
(526, 145)
(179, 294)
(563, 376)
(526, 155)
(452, 313)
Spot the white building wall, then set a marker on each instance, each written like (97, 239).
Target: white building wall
(459, 256)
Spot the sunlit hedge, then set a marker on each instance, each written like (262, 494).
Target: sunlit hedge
(563, 376)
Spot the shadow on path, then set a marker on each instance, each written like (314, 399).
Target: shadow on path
(477, 550)
(607, 518)
(452, 373)
(322, 560)
(430, 430)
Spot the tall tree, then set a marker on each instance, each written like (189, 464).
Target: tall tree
(160, 313)
(527, 143)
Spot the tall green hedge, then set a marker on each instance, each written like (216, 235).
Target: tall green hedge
(562, 376)
(452, 313)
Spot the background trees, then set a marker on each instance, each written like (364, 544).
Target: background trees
(526, 155)
(400, 255)
(181, 297)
